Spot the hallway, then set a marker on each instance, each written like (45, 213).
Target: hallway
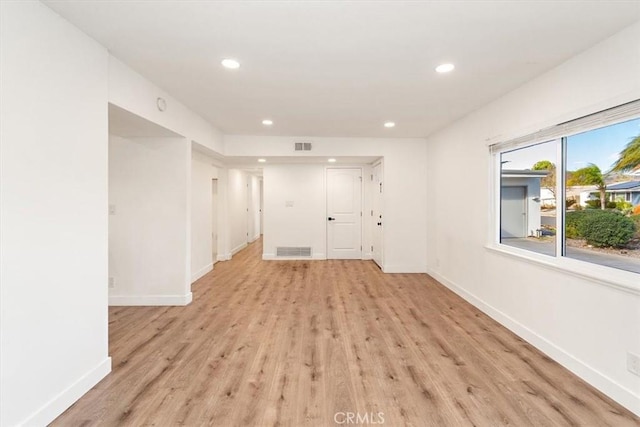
(306, 342)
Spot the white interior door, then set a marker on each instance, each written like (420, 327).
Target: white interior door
(377, 226)
(214, 220)
(344, 213)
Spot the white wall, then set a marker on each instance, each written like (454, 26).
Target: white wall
(149, 246)
(585, 325)
(53, 214)
(131, 91)
(254, 207)
(302, 224)
(405, 196)
(202, 174)
(237, 205)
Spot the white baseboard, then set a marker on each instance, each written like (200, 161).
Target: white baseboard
(273, 257)
(617, 392)
(254, 238)
(150, 300)
(198, 274)
(224, 257)
(404, 268)
(367, 256)
(56, 406)
(238, 249)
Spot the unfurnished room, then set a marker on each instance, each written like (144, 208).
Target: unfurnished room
(319, 213)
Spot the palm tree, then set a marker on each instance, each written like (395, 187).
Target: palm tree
(629, 157)
(590, 175)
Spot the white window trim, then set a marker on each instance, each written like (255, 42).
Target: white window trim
(619, 279)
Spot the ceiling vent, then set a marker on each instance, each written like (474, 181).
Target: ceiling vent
(301, 251)
(302, 146)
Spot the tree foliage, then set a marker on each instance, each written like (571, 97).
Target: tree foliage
(548, 181)
(629, 157)
(590, 175)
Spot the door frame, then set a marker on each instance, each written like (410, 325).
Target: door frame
(326, 206)
(373, 220)
(215, 218)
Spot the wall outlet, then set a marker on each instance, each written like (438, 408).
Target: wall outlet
(633, 363)
(112, 282)
(112, 209)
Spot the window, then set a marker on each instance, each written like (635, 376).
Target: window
(528, 198)
(567, 192)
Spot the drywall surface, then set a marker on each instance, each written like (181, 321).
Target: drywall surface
(149, 221)
(133, 92)
(294, 209)
(202, 217)
(405, 195)
(585, 325)
(237, 206)
(53, 214)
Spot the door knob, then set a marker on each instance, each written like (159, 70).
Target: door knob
(331, 219)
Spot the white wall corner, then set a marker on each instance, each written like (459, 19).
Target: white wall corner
(200, 273)
(238, 249)
(224, 257)
(56, 406)
(606, 385)
(150, 300)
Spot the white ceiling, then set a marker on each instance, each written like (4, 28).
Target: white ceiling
(339, 68)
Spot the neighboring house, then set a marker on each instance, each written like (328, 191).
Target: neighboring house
(628, 191)
(520, 203)
(547, 196)
(583, 193)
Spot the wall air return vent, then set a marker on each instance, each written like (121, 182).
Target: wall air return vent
(302, 146)
(287, 251)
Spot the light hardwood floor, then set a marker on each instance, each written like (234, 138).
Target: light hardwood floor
(292, 343)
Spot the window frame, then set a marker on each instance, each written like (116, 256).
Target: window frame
(621, 279)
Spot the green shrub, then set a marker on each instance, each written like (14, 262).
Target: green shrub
(607, 229)
(624, 206)
(595, 204)
(574, 220)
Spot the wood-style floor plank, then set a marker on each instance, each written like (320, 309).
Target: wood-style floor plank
(292, 343)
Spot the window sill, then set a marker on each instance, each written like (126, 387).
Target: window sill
(619, 279)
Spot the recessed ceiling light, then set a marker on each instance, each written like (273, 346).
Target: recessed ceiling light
(445, 68)
(267, 122)
(389, 124)
(331, 160)
(231, 64)
(262, 160)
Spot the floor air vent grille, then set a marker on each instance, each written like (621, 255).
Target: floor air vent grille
(285, 251)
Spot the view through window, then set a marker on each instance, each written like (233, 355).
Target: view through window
(528, 198)
(599, 219)
(603, 196)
